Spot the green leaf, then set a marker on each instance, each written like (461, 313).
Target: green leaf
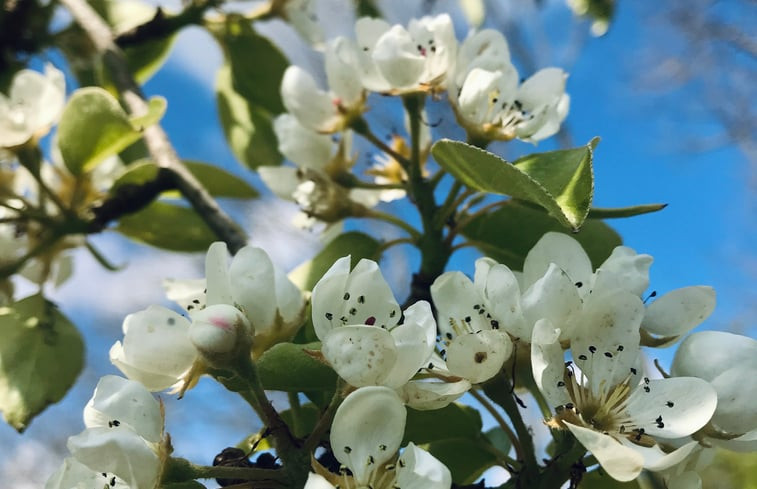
(508, 234)
(41, 354)
(248, 128)
(217, 181)
(562, 182)
(466, 458)
(308, 417)
(257, 65)
(93, 126)
(286, 367)
(367, 8)
(459, 421)
(168, 226)
(354, 243)
(183, 485)
(598, 479)
(499, 439)
(156, 107)
(636, 210)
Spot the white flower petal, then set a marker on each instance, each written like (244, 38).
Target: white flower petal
(118, 401)
(316, 481)
(327, 295)
(414, 341)
(628, 270)
(657, 460)
(457, 303)
(429, 394)
(547, 363)
(605, 342)
(303, 99)
(301, 14)
(478, 356)
(156, 349)
(301, 145)
(620, 462)
(367, 292)
(562, 250)
(418, 469)
(252, 280)
(398, 59)
(707, 354)
(342, 63)
(119, 451)
(186, 293)
(673, 407)
(72, 474)
(737, 391)
(367, 430)
(555, 297)
(679, 311)
(361, 355)
(545, 86)
(217, 275)
(289, 298)
(486, 49)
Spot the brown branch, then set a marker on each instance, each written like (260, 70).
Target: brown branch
(155, 137)
(163, 25)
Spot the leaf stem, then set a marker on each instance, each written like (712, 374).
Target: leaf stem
(383, 216)
(361, 127)
(324, 422)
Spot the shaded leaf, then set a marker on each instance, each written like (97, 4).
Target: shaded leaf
(217, 181)
(499, 439)
(508, 234)
(354, 243)
(248, 128)
(466, 458)
(41, 354)
(459, 421)
(257, 65)
(286, 367)
(562, 182)
(168, 226)
(598, 479)
(308, 416)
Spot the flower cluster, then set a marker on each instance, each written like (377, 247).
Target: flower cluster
(246, 306)
(123, 445)
(423, 57)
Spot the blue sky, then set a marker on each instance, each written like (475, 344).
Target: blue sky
(705, 236)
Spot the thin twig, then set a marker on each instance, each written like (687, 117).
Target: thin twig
(156, 139)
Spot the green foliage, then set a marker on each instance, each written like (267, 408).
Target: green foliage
(93, 126)
(635, 210)
(41, 354)
(562, 182)
(257, 65)
(286, 367)
(508, 233)
(598, 479)
(307, 417)
(354, 243)
(248, 128)
(168, 226)
(218, 182)
(499, 439)
(466, 458)
(458, 420)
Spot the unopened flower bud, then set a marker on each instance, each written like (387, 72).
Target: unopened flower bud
(219, 331)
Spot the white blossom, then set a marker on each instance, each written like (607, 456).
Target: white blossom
(365, 436)
(395, 59)
(356, 317)
(120, 446)
(34, 103)
(490, 101)
(729, 363)
(601, 395)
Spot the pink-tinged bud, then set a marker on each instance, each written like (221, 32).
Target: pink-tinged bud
(219, 331)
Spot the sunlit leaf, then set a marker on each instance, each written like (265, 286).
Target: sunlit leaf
(93, 126)
(562, 182)
(41, 354)
(613, 212)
